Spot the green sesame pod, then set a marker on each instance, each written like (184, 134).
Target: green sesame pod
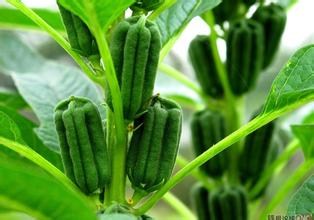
(147, 5)
(80, 38)
(273, 19)
(227, 10)
(228, 203)
(202, 59)
(154, 145)
(200, 201)
(135, 48)
(208, 128)
(256, 154)
(82, 143)
(244, 55)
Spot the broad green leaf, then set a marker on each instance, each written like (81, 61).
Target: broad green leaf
(102, 11)
(12, 18)
(302, 202)
(9, 129)
(172, 21)
(12, 99)
(43, 83)
(39, 195)
(26, 128)
(304, 133)
(15, 216)
(294, 85)
(286, 3)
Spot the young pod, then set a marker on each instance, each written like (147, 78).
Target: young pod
(245, 48)
(154, 145)
(227, 10)
(200, 200)
(258, 150)
(202, 60)
(208, 128)
(82, 143)
(273, 20)
(135, 48)
(228, 203)
(147, 5)
(80, 38)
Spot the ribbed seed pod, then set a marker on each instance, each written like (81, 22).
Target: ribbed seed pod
(245, 48)
(228, 203)
(208, 128)
(147, 5)
(202, 60)
(273, 19)
(82, 143)
(227, 10)
(135, 48)
(256, 154)
(200, 196)
(80, 38)
(154, 145)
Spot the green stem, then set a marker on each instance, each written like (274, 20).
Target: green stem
(118, 151)
(57, 37)
(180, 77)
(285, 156)
(231, 103)
(197, 173)
(179, 206)
(210, 153)
(167, 4)
(286, 188)
(37, 159)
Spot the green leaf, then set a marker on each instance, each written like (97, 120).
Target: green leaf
(9, 129)
(102, 11)
(302, 202)
(26, 128)
(304, 133)
(43, 83)
(12, 99)
(39, 195)
(118, 216)
(172, 21)
(286, 3)
(294, 85)
(12, 18)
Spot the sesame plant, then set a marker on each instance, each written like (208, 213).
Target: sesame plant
(104, 143)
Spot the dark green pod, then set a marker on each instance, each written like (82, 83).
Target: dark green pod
(256, 154)
(82, 143)
(200, 197)
(227, 10)
(228, 203)
(80, 38)
(147, 5)
(245, 49)
(208, 128)
(154, 145)
(202, 60)
(135, 48)
(273, 19)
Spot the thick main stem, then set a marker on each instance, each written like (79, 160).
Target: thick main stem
(119, 150)
(233, 120)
